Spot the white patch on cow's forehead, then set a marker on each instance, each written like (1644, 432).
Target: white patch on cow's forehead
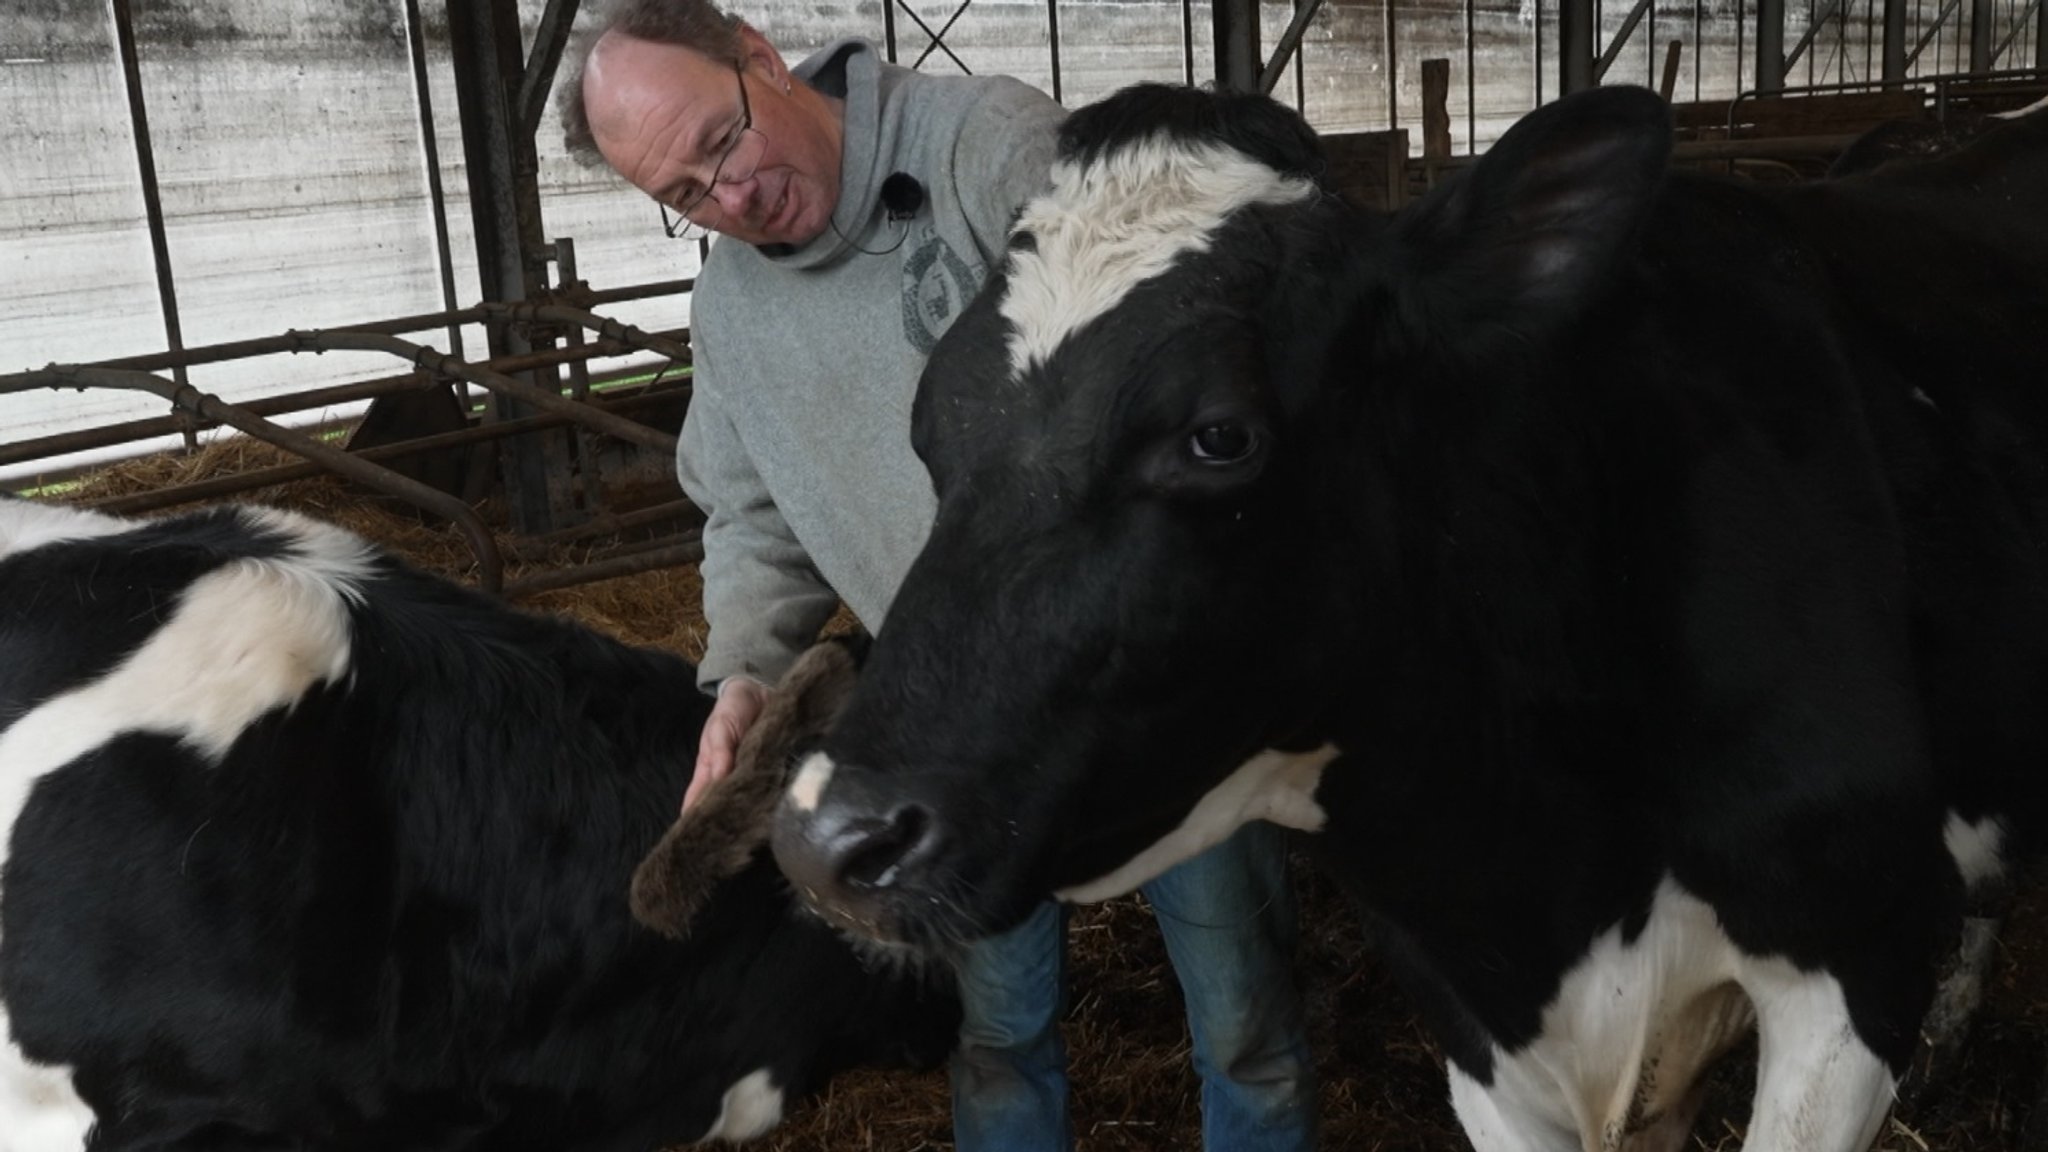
(809, 787)
(1110, 225)
(1279, 787)
(39, 1110)
(29, 524)
(749, 1109)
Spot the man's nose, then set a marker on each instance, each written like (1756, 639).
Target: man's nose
(736, 197)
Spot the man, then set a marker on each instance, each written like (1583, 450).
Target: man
(860, 206)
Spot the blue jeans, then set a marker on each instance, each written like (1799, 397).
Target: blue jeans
(1229, 921)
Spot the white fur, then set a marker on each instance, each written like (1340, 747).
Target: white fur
(39, 1110)
(1979, 848)
(1819, 1089)
(1635, 1023)
(2029, 110)
(30, 524)
(749, 1109)
(1106, 227)
(809, 787)
(1275, 786)
(244, 639)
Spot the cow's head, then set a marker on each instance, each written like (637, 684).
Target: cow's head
(1168, 443)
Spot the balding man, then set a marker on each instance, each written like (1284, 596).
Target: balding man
(860, 207)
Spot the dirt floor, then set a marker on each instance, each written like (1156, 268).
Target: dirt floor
(1134, 1091)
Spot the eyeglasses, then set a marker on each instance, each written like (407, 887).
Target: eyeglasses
(742, 154)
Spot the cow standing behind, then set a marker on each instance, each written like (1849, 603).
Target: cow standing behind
(1640, 580)
(305, 849)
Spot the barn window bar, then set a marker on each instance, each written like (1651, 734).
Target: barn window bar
(1052, 24)
(1471, 83)
(1620, 41)
(1290, 42)
(2019, 25)
(1187, 41)
(430, 148)
(152, 199)
(937, 40)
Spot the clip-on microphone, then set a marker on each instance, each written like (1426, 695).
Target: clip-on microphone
(902, 198)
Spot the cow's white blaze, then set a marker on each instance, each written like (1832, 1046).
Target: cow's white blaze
(1636, 1022)
(809, 786)
(1275, 786)
(749, 1109)
(1978, 848)
(1108, 226)
(31, 524)
(243, 640)
(39, 1110)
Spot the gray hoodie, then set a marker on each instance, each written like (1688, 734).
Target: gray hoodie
(797, 442)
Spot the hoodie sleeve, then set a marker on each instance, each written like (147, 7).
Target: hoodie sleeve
(764, 600)
(1003, 157)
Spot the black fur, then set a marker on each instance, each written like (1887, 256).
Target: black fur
(396, 915)
(1615, 524)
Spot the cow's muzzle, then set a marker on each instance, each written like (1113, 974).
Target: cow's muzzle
(853, 851)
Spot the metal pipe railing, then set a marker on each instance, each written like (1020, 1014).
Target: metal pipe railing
(184, 397)
(498, 382)
(111, 435)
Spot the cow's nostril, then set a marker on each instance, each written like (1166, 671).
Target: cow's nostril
(873, 856)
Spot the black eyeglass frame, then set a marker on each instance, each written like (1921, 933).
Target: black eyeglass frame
(678, 226)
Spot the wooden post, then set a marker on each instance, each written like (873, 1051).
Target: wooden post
(1670, 82)
(1436, 113)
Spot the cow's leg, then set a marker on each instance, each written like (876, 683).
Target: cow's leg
(1819, 1086)
(1498, 1119)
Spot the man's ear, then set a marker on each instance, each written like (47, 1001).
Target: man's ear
(1534, 232)
(757, 52)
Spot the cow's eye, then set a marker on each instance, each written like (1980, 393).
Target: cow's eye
(1225, 443)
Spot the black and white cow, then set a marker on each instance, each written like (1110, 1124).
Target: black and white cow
(1639, 580)
(305, 849)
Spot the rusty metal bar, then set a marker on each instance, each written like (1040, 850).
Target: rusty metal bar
(1813, 29)
(548, 313)
(937, 39)
(185, 398)
(2019, 25)
(538, 78)
(1304, 13)
(1621, 38)
(1236, 27)
(609, 524)
(498, 382)
(1933, 31)
(145, 162)
(106, 436)
(1052, 27)
(672, 556)
(268, 345)
(218, 487)
(430, 149)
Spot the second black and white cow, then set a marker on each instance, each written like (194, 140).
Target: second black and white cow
(1639, 580)
(305, 849)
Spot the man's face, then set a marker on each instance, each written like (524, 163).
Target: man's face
(665, 116)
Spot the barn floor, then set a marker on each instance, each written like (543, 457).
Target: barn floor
(1382, 1079)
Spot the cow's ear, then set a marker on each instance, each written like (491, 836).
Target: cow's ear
(1536, 230)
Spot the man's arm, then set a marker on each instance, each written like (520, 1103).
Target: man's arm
(763, 598)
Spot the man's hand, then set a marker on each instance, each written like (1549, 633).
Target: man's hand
(740, 700)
